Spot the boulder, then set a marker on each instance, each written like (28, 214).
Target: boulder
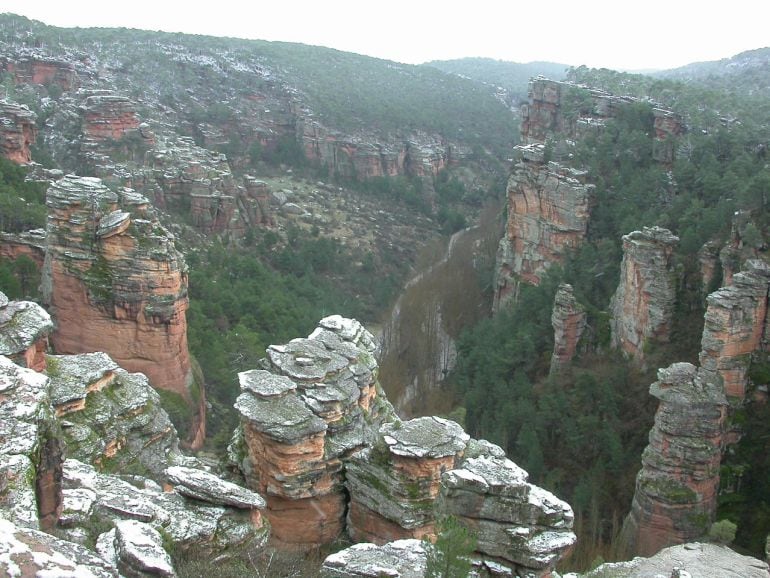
(401, 558)
(27, 553)
(206, 487)
(24, 330)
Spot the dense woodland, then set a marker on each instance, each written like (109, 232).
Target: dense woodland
(580, 434)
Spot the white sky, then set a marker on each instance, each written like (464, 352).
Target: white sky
(643, 34)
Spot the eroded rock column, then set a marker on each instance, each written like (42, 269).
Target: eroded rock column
(569, 321)
(676, 489)
(643, 305)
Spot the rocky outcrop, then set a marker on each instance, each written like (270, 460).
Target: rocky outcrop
(30, 453)
(27, 553)
(520, 529)
(362, 157)
(115, 282)
(29, 244)
(402, 558)
(518, 525)
(17, 132)
(548, 210)
(676, 489)
(735, 325)
(568, 110)
(93, 501)
(108, 117)
(569, 321)
(39, 69)
(24, 330)
(643, 305)
(393, 485)
(110, 418)
(693, 560)
(196, 510)
(317, 402)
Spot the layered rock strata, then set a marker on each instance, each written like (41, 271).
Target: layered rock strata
(518, 526)
(17, 132)
(548, 211)
(317, 402)
(735, 326)
(569, 321)
(110, 418)
(115, 282)
(643, 305)
(29, 244)
(24, 331)
(393, 485)
(676, 489)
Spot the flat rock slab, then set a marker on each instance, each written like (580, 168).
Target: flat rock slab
(399, 559)
(425, 437)
(695, 560)
(209, 488)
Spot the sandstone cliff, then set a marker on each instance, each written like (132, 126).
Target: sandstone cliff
(32, 67)
(17, 131)
(643, 305)
(676, 489)
(548, 211)
(115, 282)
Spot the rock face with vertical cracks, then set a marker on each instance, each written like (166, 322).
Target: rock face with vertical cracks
(17, 132)
(569, 321)
(30, 451)
(317, 401)
(643, 305)
(735, 323)
(676, 489)
(548, 211)
(115, 282)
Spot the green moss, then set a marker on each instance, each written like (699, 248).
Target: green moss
(52, 367)
(670, 490)
(98, 279)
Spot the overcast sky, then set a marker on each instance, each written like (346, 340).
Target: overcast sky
(650, 34)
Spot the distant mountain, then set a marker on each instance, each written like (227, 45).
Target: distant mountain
(511, 76)
(747, 72)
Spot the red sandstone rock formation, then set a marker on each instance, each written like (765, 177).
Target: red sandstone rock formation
(17, 132)
(643, 304)
(108, 116)
(676, 489)
(548, 210)
(569, 321)
(734, 328)
(115, 282)
(41, 70)
(298, 423)
(29, 244)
